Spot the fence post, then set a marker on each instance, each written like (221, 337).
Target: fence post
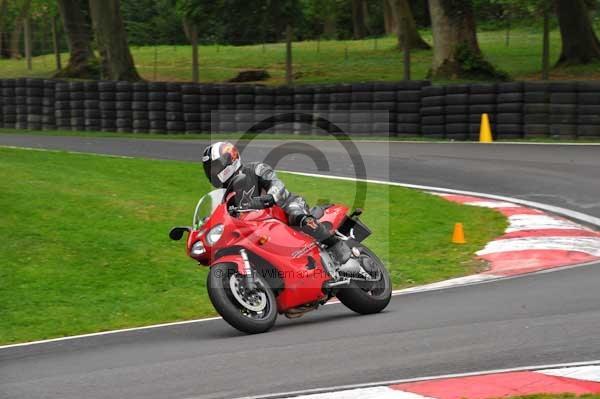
(405, 50)
(155, 61)
(546, 45)
(195, 66)
(55, 45)
(27, 26)
(289, 78)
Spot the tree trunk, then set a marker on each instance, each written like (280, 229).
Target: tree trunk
(579, 41)
(15, 40)
(405, 24)
(359, 19)
(546, 45)
(389, 22)
(3, 7)
(55, 44)
(112, 39)
(191, 32)
(330, 26)
(456, 52)
(289, 75)
(82, 63)
(27, 29)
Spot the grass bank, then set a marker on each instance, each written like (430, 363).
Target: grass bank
(328, 61)
(85, 245)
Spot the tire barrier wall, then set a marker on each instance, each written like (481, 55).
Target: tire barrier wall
(516, 109)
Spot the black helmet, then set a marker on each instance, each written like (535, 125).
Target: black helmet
(221, 161)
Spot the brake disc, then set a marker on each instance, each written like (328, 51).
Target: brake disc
(254, 301)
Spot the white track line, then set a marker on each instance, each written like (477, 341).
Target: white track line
(588, 245)
(365, 393)
(585, 373)
(13, 147)
(540, 222)
(407, 380)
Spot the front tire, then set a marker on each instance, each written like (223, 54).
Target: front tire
(368, 298)
(252, 313)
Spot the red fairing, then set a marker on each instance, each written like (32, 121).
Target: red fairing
(335, 215)
(293, 256)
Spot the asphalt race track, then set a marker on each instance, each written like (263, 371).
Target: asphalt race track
(537, 319)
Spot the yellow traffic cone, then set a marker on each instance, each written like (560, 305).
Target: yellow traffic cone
(485, 132)
(458, 236)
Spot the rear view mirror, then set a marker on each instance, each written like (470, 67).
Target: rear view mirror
(176, 233)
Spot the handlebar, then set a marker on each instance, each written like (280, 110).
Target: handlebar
(239, 209)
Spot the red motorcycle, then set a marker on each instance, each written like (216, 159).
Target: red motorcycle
(260, 266)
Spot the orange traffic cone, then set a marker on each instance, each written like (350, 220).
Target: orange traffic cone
(458, 236)
(485, 131)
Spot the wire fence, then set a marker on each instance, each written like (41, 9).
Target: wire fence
(314, 61)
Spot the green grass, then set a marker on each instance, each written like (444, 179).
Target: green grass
(85, 246)
(326, 61)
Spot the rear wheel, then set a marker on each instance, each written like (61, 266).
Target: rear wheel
(366, 297)
(251, 312)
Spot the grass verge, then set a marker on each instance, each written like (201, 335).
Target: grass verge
(85, 244)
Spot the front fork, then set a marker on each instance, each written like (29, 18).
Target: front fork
(248, 271)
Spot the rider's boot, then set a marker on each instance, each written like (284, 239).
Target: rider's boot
(337, 247)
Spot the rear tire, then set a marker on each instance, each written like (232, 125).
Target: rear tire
(220, 279)
(365, 301)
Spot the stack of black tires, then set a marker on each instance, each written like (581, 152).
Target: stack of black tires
(408, 109)
(588, 109)
(62, 105)
(107, 96)
(9, 109)
(174, 108)
(320, 109)
(21, 103)
(34, 100)
(563, 110)
(340, 103)
(93, 118)
(48, 104)
(482, 100)
(303, 105)
(509, 110)
(139, 106)
(77, 105)
(284, 107)
(157, 113)
(244, 101)
(433, 120)
(123, 105)
(360, 121)
(226, 109)
(457, 112)
(536, 109)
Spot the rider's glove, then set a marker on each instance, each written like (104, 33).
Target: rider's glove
(262, 202)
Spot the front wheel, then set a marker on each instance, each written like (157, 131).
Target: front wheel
(252, 312)
(366, 297)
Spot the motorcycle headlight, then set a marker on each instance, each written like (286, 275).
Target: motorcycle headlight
(197, 249)
(214, 234)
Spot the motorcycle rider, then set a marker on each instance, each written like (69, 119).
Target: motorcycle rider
(222, 162)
